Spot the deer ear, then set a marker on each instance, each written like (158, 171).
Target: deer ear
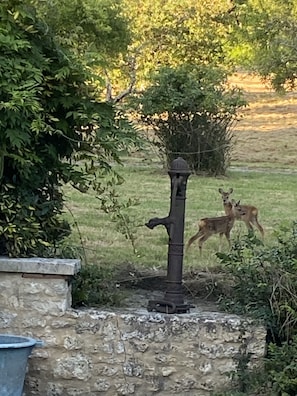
(230, 190)
(220, 191)
(238, 202)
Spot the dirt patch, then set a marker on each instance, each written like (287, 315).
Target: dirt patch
(201, 288)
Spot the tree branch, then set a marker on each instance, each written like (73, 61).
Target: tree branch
(128, 90)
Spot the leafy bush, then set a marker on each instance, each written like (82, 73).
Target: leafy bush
(265, 287)
(265, 281)
(191, 113)
(29, 224)
(276, 377)
(52, 131)
(95, 286)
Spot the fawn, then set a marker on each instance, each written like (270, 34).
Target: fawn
(222, 225)
(251, 212)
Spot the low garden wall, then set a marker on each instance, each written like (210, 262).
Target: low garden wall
(117, 352)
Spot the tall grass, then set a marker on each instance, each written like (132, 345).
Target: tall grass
(272, 193)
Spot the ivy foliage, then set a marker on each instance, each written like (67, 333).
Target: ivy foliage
(52, 131)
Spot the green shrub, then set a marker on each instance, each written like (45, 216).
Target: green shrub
(276, 377)
(52, 131)
(191, 113)
(281, 368)
(265, 281)
(94, 285)
(265, 286)
(29, 221)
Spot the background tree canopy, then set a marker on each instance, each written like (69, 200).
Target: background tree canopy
(170, 34)
(95, 29)
(263, 39)
(257, 35)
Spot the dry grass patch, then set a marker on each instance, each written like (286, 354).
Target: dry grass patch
(266, 134)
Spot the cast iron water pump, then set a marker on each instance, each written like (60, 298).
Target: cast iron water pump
(174, 223)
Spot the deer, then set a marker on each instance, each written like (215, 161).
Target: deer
(251, 212)
(222, 225)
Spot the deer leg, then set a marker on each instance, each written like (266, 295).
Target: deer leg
(193, 239)
(248, 225)
(227, 235)
(220, 245)
(202, 239)
(258, 225)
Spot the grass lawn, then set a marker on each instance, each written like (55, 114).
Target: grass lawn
(274, 194)
(262, 173)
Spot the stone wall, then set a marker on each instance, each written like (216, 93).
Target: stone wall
(118, 352)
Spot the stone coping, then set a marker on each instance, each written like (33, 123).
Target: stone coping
(196, 315)
(38, 265)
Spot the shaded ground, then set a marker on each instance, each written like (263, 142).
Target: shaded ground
(200, 288)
